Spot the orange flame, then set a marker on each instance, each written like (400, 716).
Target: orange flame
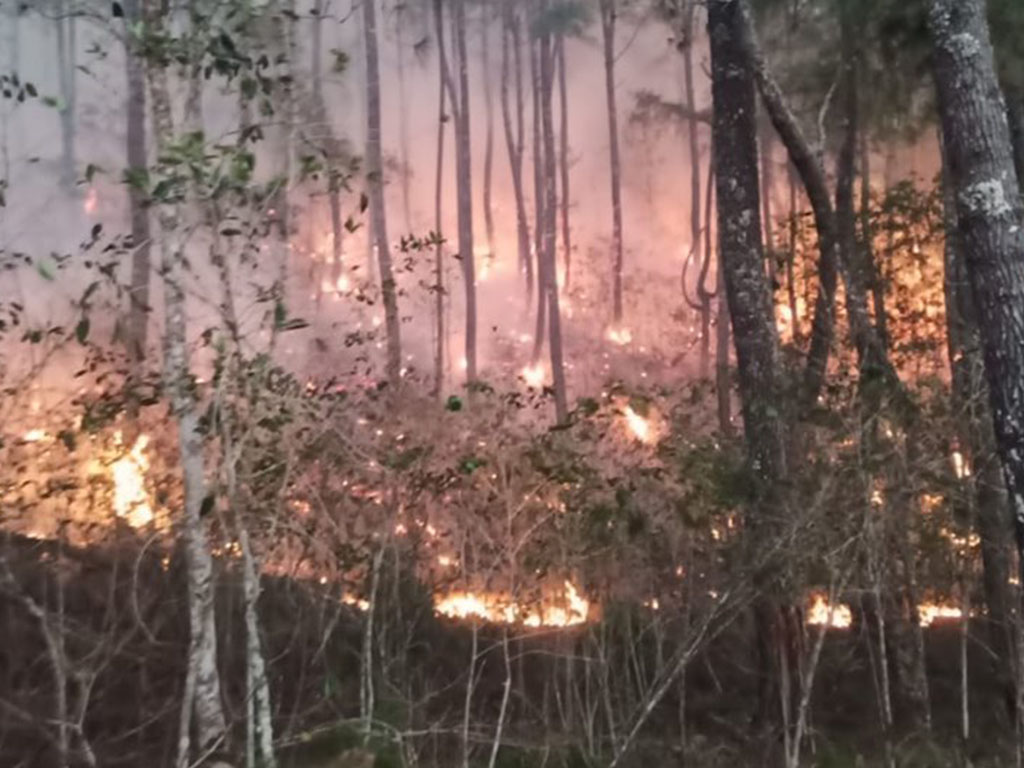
(821, 613)
(565, 610)
(131, 501)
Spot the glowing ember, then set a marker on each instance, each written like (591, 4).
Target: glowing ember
(620, 336)
(357, 602)
(929, 613)
(341, 286)
(534, 375)
(960, 466)
(35, 435)
(129, 471)
(91, 201)
(565, 610)
(821, 613)
(639, 426)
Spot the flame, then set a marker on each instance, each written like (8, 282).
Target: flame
(960, 466)
(639, 426)
(128, 472)
(534, 375)
(821, 613)
(928, 613)
(91, 201)
(341, 286)
(35, 435)
(620, 336)
(566, 610)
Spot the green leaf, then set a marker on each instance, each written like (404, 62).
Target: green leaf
(454, 404)
(45, 270)
(82, 330)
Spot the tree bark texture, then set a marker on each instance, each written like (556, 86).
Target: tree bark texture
(608, 17)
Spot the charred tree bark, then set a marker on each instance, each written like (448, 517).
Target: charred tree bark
(990, 218)
(608, 14)
(750, 305)
(1015, 115)
(375, 182)
(515, 137)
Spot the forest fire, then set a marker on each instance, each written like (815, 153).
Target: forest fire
(620, 336)
(131, 501)
(566, 609)
(929, 613)
(534, 375)
(822, 613)
(641, 428)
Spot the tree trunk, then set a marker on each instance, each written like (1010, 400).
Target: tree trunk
(439, 291)
(547, 72)
(977, 443)
(867, 236)
(608, 13)
(1015, 115)
(809, 166)
(538, 199)
(135, 332)
(464, 187)
(375, 182)
(203, 678)
(485, 67)
(65, 21)
(403, 118)
(767, 142)
(990, 218)
(750, 305)
(563, 157)
(514, 139)
(791, 261)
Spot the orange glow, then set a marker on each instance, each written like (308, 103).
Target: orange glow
(640, 427)
(564, 610)
(821, 613)
(131, 501)
(534, 375)
(91, 201)
(620, 336)
(35, 435)
(929, 613)
(960, 466)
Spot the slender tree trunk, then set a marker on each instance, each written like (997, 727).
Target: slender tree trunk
(563, 157)
(65, 22)
(137, 320)
(547, 71)
(403, 118)
(750, 307)
(833, 250)
(704, 296)
(767, 143)
(464, 187)
(608, 14)
(514, 138)
(791, 261)
(485, 68)
(867, 236)
(990, 218)
(375, 182)
(203, 680)
(256, 673)
(538, 200)
(439, 289)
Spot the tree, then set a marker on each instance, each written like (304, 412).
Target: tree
(375, 182)
(990, 218)
(202, 697)
(749, 295)
(608, 18)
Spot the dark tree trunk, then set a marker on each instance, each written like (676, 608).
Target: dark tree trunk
(137, 321)
(767, 183)
(439, 289)
(563, 156)
(608, 17)
(750, 305)
(464, 186)
(990, 227)
(403, 118)
(538, 200)
(485, 66)
(514, 139)
(1015, 115)
(808, 165)
(791, 261)
(66, 43)
(547, 72)
(867, 236)
(375, 182)
(985, 487)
